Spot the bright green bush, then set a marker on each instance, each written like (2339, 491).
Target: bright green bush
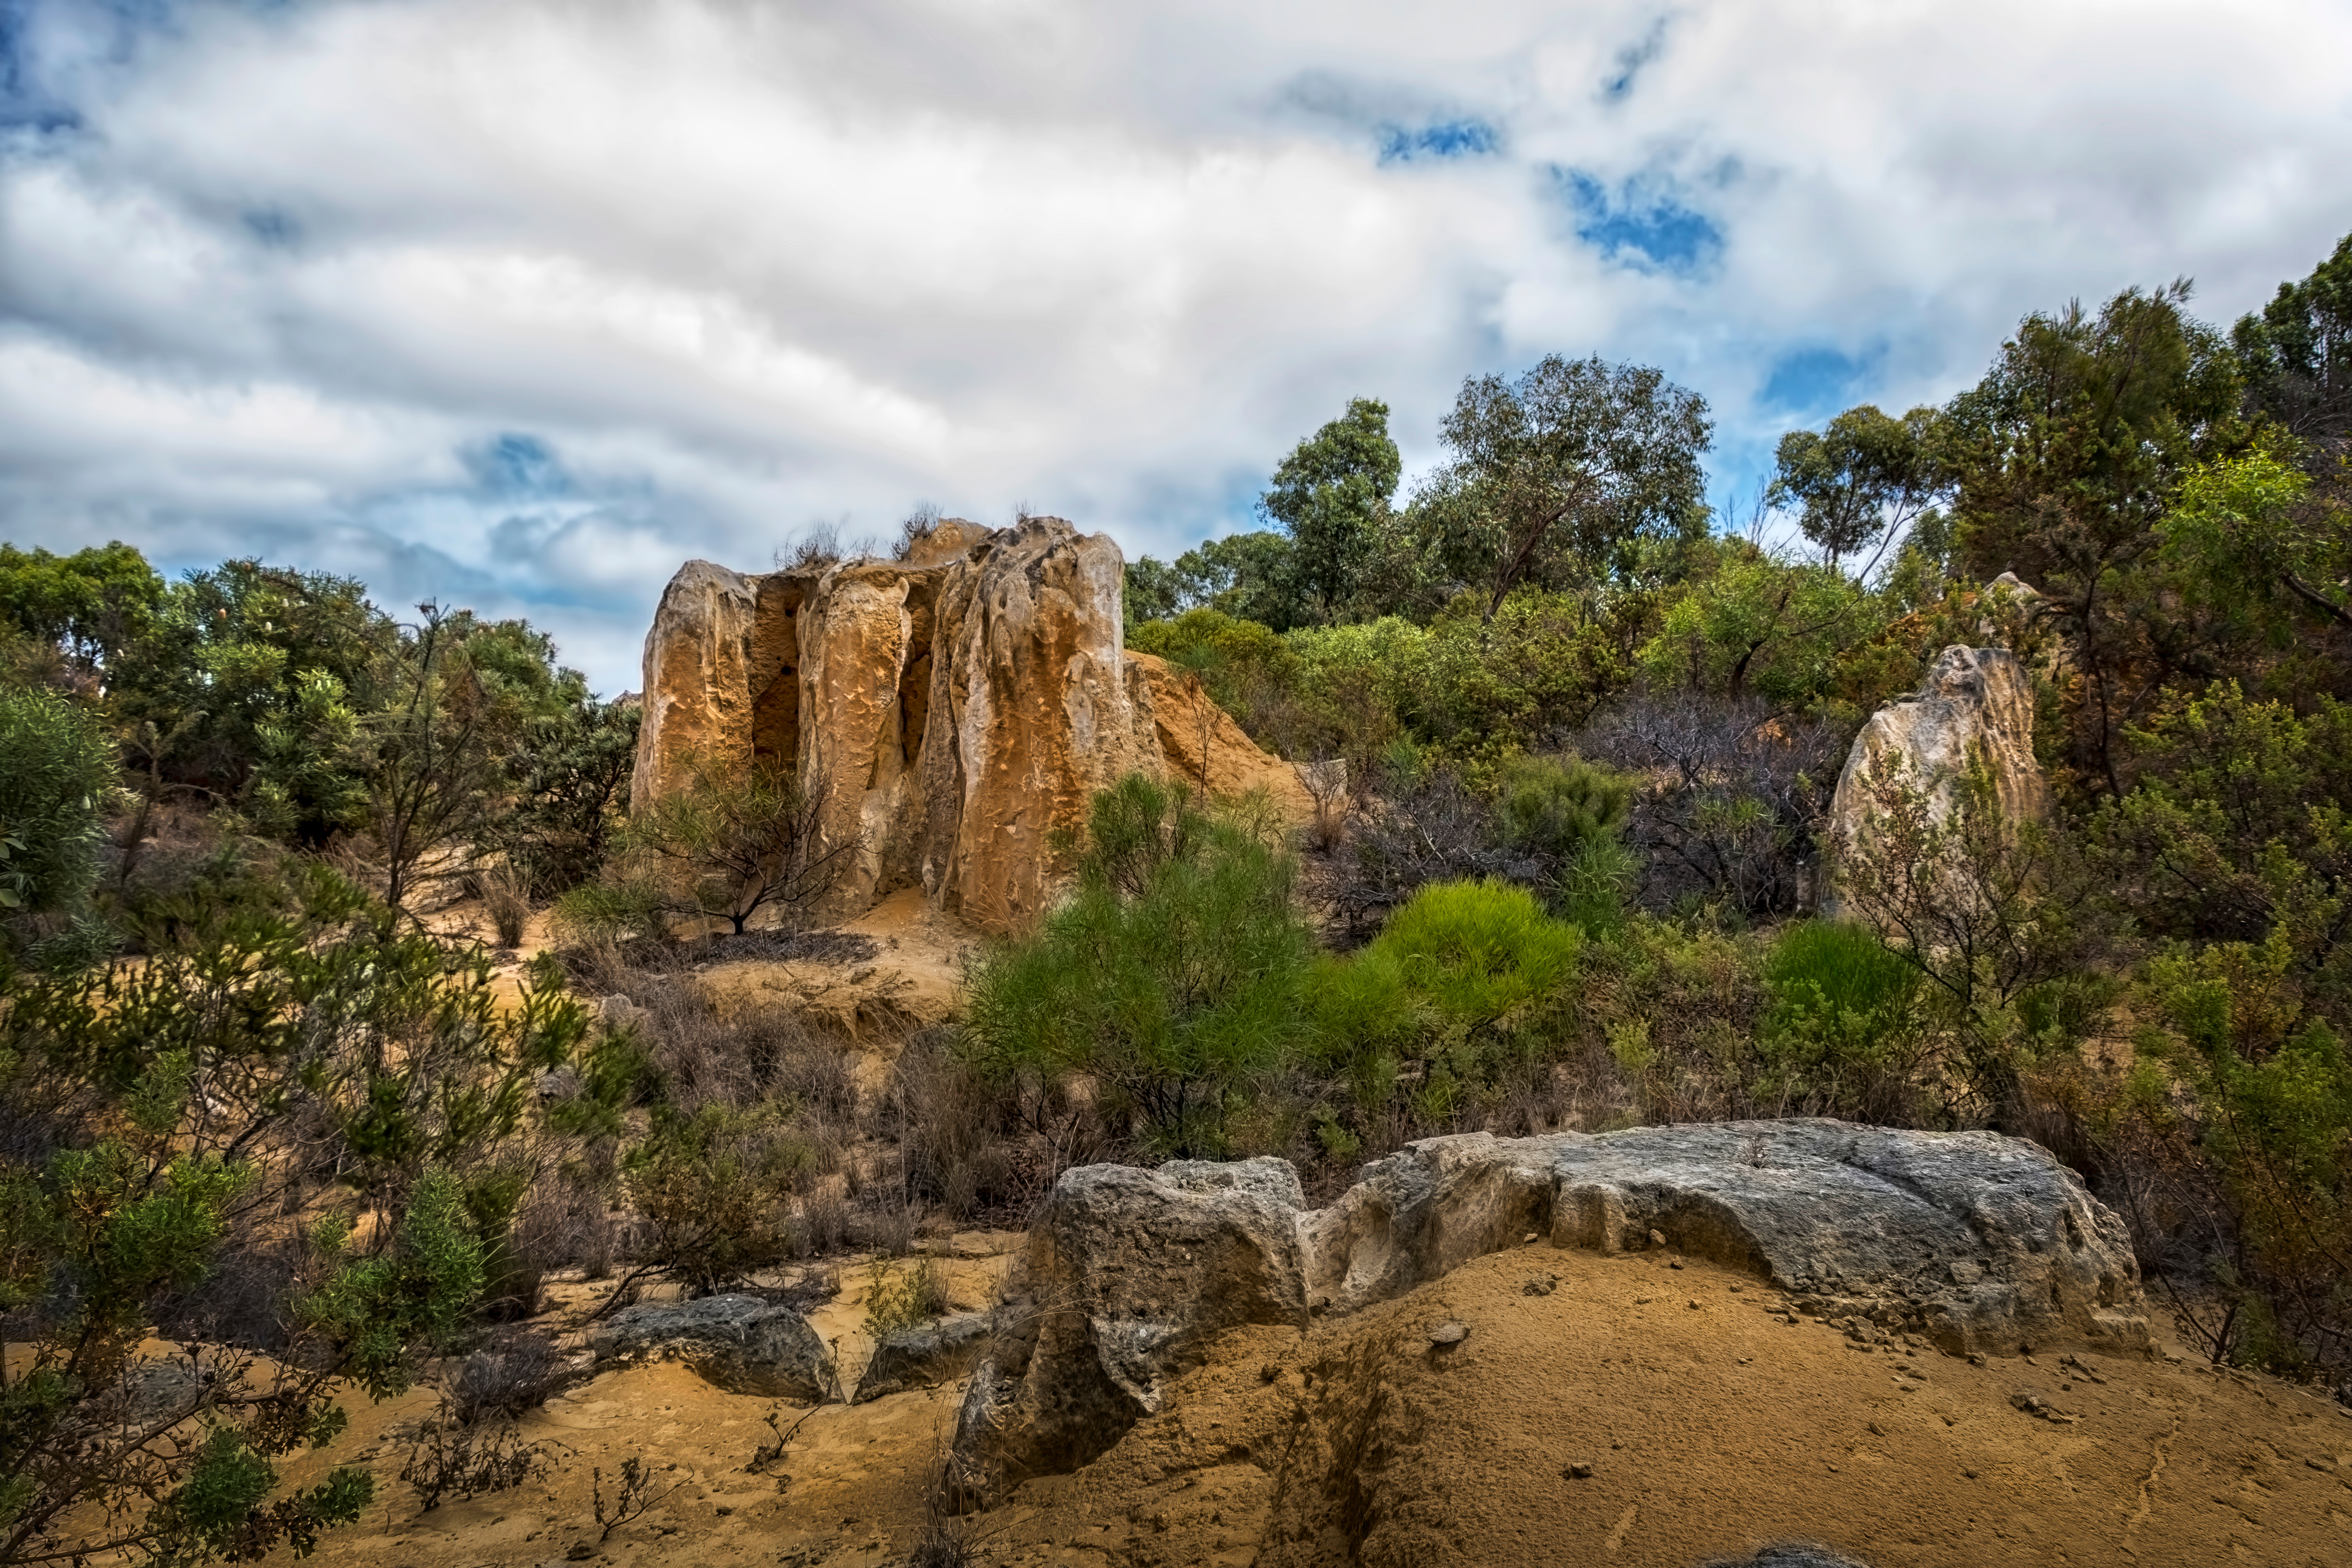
(1571, 815)
(57, 770)
(1841, 1036)
(1172, 977)
(1477, 951)
(1434, 993)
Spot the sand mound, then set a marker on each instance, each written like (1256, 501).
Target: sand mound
(1708, 1431)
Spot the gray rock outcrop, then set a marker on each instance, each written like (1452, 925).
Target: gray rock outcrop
(1975, 706)
(926, 1356)
(1975, 1240)
(739, 1343)
(1126, 1277)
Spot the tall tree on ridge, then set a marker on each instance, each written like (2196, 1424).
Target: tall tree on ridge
(1560, 477)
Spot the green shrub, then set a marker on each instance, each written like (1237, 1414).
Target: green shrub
(1841, 1036)
(712, 1192)
(1428, 1002)
(731, 842)
(1571, 815)
(903, 1295)
(57, 770)
(286, 1048)
(2242, 1098)
(1539, 666)
(1678, 1010)
(1477, 951)
(1171, 977)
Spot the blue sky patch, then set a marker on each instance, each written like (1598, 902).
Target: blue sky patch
(1460, 138)
(1641, 222)
(517, 467)
(1810, 381)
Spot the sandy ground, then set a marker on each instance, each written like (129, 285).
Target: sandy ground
(869, 1006)
(1707, 1429)
(914, 979)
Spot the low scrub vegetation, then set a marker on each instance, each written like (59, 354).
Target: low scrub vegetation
(1575, 741)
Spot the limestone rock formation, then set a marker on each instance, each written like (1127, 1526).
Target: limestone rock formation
(924, 1357)
(1972, 1240)
(739, 1343)
(1980, 1240)
(954, 709)
(1126, 1277)
(1976, 704)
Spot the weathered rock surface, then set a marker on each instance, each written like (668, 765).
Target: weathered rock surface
(1976, 704)
(926, 1356)
(702, 653)
(954, 709)
(739, 1343)
(1971, 1238)
(1979, 1240)
(1128, 1276)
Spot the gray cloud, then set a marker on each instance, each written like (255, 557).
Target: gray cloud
(277, 278)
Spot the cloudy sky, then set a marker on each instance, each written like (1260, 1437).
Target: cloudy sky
(520, 302)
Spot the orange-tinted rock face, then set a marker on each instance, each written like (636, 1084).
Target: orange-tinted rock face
(957, 708)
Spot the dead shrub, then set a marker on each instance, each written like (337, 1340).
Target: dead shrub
(505, 899)
(450, 1459)
(1733, 795)
(947, 1125)
(513, 1373)
(821, 1227)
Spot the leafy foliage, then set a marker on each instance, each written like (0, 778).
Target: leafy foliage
(288, 1057)
(712, 1191)
(1331, 496)
(1860, 482)
(2296, 353)
(724, 846)
(1561, 478)
(1171, 977)
(57, 772)
(1841, 1036)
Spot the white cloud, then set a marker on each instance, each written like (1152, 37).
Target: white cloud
(747, 267)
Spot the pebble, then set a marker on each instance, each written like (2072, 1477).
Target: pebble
(1579, 1471)
(1449, 1333)
(1657, 1239)
(1694, 1306)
